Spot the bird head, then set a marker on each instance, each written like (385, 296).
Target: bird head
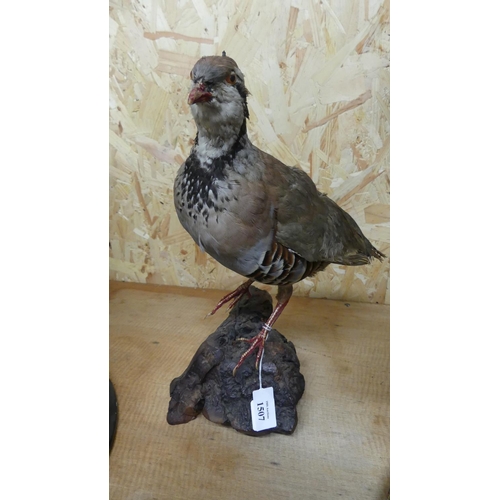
(218, 96)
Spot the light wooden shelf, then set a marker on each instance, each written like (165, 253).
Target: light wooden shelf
(340, 448)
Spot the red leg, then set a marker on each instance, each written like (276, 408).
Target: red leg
(233, 297)
(257, 342)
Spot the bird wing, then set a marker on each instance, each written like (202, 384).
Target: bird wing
(310, 223)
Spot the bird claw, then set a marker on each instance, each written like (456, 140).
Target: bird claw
(249, 341)
(236, 299)
(232, 297)
(256, 342)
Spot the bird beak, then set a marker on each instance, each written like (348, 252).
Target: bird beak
(199, 93)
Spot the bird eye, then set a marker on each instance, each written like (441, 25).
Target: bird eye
(231, 79)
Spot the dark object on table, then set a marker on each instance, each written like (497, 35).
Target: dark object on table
(113, 414)
(208, 384)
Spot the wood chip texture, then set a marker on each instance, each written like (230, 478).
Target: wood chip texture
(318, 73)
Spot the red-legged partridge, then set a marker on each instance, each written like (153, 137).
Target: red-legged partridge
(250, 212)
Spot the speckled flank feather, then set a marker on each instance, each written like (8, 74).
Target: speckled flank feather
(282, 266)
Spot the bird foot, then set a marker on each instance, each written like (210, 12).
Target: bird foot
(256, 343)
(232, 297)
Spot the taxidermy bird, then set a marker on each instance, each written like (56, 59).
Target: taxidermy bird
(250, 212)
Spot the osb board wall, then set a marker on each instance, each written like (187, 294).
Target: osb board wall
(318, 73)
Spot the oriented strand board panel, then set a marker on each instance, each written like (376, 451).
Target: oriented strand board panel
(340, 448)
(318, 73)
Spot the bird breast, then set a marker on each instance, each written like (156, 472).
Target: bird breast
(229, 223)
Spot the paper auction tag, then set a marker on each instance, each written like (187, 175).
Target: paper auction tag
(263, 409)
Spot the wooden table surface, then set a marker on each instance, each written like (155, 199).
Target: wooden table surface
(340, 448)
